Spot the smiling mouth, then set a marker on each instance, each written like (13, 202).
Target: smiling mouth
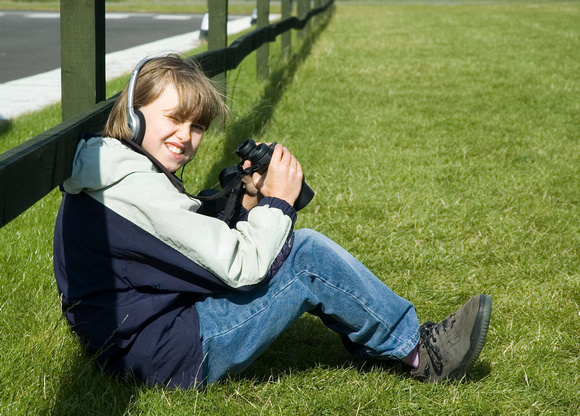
(174, 149)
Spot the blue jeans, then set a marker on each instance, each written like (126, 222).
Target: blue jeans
(319, 277)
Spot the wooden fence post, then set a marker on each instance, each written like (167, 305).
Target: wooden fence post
(218, 35)
(286, 38)
(82, 55)
(263, 20)
(303, 8)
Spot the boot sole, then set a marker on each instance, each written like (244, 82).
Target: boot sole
(478, 333)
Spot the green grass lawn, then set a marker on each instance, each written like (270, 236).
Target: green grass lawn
(443, 143)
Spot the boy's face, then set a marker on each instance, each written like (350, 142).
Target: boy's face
(170, 141)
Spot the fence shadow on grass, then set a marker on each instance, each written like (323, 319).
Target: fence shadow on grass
(5, 127)
(261, 112)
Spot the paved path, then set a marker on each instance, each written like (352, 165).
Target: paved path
(30, 41)
(37, 91)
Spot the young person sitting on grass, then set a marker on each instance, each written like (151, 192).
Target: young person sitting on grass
(156, 289)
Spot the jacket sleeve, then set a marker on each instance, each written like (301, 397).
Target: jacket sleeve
(240, 256)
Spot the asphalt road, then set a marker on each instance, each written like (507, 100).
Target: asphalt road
(30, 77)
(30, 41)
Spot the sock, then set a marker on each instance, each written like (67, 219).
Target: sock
(412, 359)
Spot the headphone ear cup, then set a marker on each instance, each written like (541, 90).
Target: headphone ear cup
(135, 118)
(139, 127)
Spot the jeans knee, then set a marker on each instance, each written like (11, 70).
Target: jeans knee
(313, 251)
(308, 237)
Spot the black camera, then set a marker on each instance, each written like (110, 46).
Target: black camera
(260, 155)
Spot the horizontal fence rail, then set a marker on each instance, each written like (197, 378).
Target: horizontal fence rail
(29, 171)
(220, 60)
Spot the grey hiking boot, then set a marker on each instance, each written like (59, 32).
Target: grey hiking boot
(449, 348)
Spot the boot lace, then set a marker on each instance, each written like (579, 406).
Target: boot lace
(429, 333)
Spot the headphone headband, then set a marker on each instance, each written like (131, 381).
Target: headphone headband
(135, 118)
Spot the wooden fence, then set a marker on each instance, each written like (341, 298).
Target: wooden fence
(31, 170)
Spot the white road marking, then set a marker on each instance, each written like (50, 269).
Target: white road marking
(172, 17)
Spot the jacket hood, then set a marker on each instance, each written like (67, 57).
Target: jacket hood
(101, 162)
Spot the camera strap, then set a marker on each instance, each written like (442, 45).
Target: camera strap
(231, 190)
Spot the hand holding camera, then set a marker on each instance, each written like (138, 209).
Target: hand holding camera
(282, 179)
(274, 172)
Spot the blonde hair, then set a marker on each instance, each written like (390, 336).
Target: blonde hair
(200, 102)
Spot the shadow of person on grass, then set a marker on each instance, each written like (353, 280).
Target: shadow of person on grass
(308, 344)
(86, 389)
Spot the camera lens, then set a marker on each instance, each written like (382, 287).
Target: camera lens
(245, 148)
(258, 154)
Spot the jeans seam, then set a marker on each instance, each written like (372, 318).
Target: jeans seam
(362, 304)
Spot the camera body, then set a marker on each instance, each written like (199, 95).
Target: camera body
(260, 155)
